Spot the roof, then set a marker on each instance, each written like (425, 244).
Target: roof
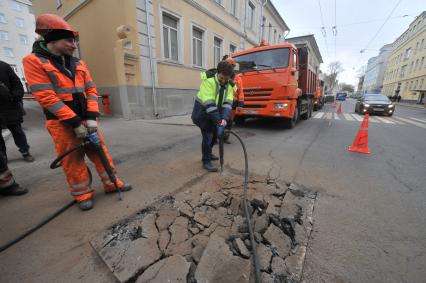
(274, 11)
(309, 38)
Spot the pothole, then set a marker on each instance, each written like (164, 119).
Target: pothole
(201, 235)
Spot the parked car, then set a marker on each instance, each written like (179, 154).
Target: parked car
(375, 104)
(341, 96)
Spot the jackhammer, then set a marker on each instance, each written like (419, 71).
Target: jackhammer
(220, 134)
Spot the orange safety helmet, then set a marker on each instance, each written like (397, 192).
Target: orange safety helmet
(47, 22)
(231, 61)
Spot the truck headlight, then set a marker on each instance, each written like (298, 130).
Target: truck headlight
(281, 105)
(366, 105)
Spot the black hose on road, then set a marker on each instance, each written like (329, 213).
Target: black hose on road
(246, 210)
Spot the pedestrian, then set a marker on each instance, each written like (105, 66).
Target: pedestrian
(398, 98)
(8, 186)
(12, 111)
(212, 108)
(63, 86)
(237, 96)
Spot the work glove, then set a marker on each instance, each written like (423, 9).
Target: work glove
(80, 131)
(94, 138)
(92, 126)
(222, 123)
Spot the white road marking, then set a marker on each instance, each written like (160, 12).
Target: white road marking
(336, 117)
(396, 121)
(417, 119)
(348, 117)
(357, 117)
(371, 119)
(328, 115)
(319, 115)
(411, 122)
(384, 120)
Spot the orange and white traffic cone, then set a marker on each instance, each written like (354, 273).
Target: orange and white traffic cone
(339, 110)
(360, 143)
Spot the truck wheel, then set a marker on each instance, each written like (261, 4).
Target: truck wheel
(305, 116)
(240, 120)
(291, 123)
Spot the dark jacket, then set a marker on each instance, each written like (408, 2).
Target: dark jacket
(11, 94)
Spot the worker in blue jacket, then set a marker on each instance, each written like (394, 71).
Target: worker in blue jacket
(212, 108)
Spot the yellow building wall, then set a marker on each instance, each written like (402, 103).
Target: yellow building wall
(96, 24)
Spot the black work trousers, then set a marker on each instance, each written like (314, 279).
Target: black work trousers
(19, 137)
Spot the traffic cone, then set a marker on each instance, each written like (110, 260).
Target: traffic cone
(361, 140)
(339, 110)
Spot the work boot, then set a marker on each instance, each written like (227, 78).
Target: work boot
(210, 167)
(214, 157)
(124, 188)
(86, 204)
(28, 157)
(14, 190)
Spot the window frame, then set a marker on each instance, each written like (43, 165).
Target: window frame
(234, 45)
(252, 16)
(221, 52)
(180, 32)
(9, 49)
(233, 7)
(203, 47)
(16, 22)
(4, 17)
(15, 5)
(7, 38)
(21, 36)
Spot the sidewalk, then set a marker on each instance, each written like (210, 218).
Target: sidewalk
(418, 106)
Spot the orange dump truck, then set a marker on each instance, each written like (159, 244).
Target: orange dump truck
(278, 82)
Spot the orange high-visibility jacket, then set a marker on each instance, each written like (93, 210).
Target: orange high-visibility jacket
(62, 98)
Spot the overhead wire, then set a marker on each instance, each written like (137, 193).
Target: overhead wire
(323, 30)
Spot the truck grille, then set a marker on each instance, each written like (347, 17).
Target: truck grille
(253, 106)
(257, 94)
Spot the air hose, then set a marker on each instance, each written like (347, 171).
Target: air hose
(245, 201)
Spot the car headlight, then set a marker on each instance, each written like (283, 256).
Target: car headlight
(366, 105)
(391, 105)
(281, 105)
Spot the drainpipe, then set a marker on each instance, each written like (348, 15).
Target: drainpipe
(151, 61)
(262, 27)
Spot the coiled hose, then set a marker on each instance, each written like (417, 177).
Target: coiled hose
(55, 164)
(245, 201)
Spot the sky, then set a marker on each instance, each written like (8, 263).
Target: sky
(357, 22)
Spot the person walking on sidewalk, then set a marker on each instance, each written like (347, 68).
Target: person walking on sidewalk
(212, 108)
(8, 186)
(63, 86)
(12, 111)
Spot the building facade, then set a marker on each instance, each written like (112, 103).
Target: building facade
(148, 54)
(405, 74)
(374, 75)
(16, 32)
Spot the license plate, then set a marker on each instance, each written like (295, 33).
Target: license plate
(378, 109)
(250, 111)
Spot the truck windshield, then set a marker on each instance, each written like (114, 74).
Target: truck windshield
(263, 60)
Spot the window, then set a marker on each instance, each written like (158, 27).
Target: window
(403, 69)
(422, 44)
(407, 54)
(421, 84)
(275, 36)
(233, 7)
(411, 67)
(217, 52)
(197, 47)
(30, 9)
(251, 15)
(170, 37)
(417, 64)
(417, 46)
(58, 4)
(19, 22)
(23, 39)
(17, 6)
(8, 52)
(421, 63)
(4, 35)
(2, 18)
(264, 60)
(232, 48)
(279, 38)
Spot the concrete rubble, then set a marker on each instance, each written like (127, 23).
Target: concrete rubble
(201, 234)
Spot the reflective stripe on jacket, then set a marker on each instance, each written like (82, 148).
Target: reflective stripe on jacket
(66, 100)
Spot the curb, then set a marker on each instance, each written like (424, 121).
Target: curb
(415, 106)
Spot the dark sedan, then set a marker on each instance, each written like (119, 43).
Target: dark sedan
(375, 104)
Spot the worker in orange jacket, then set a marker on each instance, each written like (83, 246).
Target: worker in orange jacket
(238, 96)
(64, 88)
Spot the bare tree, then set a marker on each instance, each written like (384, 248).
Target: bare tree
(347, 87)
(361, 76)
(334, 69)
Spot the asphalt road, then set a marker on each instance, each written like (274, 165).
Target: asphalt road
(370, 223)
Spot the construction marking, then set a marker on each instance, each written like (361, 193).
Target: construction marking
(336, 117)
(357, 117)
(417, 119)
(328, 115)
(411, 122)
(319, 115)
(348, 117)
(384, 120)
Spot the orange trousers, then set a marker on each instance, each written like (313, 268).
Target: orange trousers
(74, 166)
